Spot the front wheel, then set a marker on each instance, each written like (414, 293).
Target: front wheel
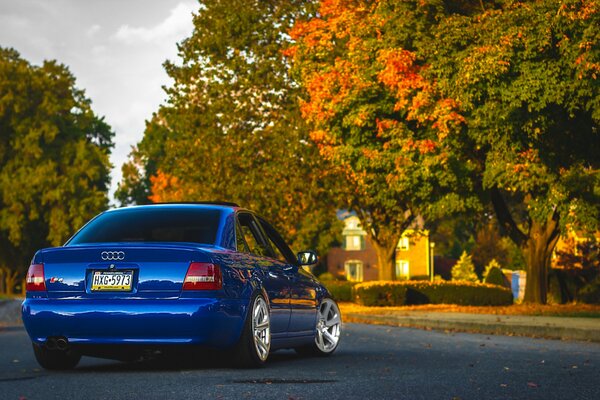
(55, 359)
(328, 330)
(255, 343)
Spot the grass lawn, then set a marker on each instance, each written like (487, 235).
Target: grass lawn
(562, 310)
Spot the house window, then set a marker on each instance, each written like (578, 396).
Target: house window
(403, 244)
(354, 270)
(402, 269)
(355, 242)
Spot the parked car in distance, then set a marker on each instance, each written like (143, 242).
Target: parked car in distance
(164, 276)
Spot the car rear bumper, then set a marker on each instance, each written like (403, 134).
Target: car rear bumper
(203, 321)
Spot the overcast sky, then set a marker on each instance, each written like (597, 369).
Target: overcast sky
(115, 49)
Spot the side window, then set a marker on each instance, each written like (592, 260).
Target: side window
(280, 248)
(252, 236)
(278, 255)
(241, 244)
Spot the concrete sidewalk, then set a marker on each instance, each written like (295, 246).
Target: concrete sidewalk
(565, 328)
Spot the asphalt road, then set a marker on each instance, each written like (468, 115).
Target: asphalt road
(373, 362)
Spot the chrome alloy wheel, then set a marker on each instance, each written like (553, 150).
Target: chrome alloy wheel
(261, 328)
(329, 326)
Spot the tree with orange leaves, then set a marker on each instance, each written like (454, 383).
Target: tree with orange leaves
(375, 114)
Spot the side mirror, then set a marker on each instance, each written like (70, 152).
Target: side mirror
(308, 257)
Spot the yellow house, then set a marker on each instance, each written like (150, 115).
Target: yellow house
(414, 255)
(356, 259)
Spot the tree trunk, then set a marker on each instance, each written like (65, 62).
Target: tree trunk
(385, 259)
(10, 278)
(2, 287)
(536, 244)
(538, 252)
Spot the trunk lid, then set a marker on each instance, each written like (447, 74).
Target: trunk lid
(119, 270)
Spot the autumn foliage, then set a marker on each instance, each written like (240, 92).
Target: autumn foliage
(343, 55)
(391, 109)
(376, 114)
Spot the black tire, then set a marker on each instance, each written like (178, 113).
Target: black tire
(314, 349)
(246, 353)
(55, 359)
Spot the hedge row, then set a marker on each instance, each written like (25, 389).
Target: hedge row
(399, 293)
(340, 290)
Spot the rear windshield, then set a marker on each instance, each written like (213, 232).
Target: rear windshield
(159, 224)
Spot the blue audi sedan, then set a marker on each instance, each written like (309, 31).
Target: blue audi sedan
(157, 277)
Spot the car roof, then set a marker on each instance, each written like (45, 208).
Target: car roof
(200, 204)
(214, 203)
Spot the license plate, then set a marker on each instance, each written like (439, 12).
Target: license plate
(112, 280)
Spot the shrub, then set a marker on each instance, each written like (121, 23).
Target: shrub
(340, 290)
(492, 264)
(327, 276)
(395, 293)
(495, 276)
(381, 293)
(464, 270)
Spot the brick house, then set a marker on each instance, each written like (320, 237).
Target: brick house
(357, 261)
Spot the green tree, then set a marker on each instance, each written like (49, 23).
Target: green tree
(54, 167)
(373, 112)
(232, 129)
(526, 78)
(464, 269)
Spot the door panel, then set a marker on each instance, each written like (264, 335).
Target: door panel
(303, 301)
(277, 285)
(303, 294)
(276, 282)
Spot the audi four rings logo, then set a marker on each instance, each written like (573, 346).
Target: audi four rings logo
(112, 255)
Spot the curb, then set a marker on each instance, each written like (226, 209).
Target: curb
(548, 327)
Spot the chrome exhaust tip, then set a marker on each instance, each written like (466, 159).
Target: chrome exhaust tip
(62, 344)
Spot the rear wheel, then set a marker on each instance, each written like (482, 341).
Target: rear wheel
(56, 359)
(328, 330)
(255, 343)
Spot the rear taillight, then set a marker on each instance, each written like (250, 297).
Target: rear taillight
(35, 278)
(203, 276)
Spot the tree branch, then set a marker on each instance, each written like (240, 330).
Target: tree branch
(507, 224)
